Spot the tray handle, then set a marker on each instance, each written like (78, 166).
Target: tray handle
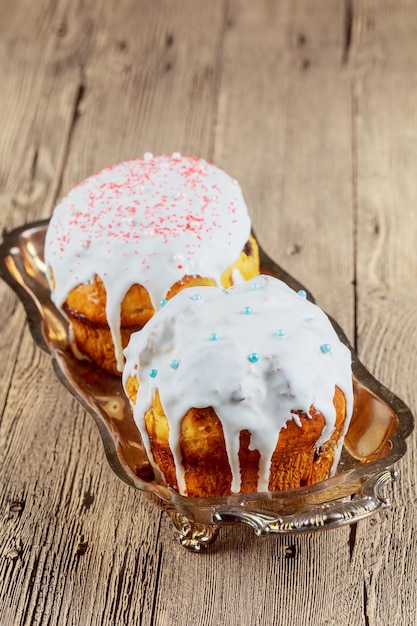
(329, 515)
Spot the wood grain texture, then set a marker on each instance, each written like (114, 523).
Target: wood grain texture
(385, 116)
(312, 107)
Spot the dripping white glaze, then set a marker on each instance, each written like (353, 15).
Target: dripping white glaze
(148, 221)
(213, 335)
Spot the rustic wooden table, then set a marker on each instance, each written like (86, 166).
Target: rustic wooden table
(312, 105)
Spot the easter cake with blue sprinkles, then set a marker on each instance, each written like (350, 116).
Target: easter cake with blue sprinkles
(240, 390)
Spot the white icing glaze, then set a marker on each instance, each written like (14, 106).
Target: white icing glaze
(148, 221)
(292, 373)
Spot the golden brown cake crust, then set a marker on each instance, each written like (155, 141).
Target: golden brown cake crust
(295, 462)
(86, 308)
(89, 301)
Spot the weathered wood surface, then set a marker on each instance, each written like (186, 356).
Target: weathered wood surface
(313, 107)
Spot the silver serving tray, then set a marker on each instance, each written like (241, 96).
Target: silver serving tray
(375, 440)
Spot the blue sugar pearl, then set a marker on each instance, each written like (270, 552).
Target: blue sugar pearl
(281, 332)
(255, 286)
(226, 291)
(247, 310)
(196, 296)
(253, 357)
(153, 373)
(174, 364)
(302, 293)
(163, 302)
(214, 337)
(309, 319)
(325, 348)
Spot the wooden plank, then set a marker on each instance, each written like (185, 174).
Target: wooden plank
(51, 500)
(83, 549)
(284, 130)
(40, 89)
(385, 93)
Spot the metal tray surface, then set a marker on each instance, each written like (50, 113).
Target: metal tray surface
(380, 424)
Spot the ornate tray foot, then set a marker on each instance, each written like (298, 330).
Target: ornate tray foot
(191, 535)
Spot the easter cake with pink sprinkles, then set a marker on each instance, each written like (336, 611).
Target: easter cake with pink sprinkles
(127, 239)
